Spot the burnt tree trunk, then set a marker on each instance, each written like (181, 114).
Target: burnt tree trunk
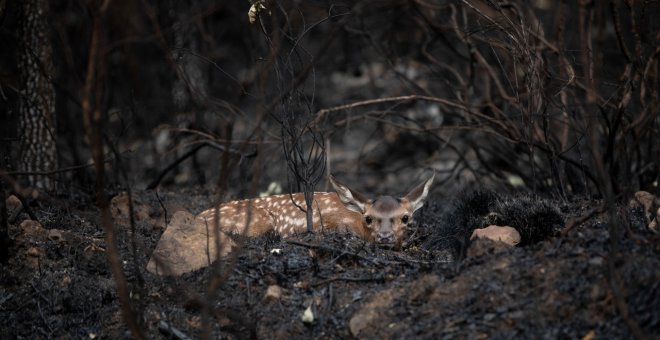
(190, 89)
(36, 123)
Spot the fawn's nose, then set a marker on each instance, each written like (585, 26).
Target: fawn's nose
(385, 236)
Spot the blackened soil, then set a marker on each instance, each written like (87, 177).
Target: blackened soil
(58, 284)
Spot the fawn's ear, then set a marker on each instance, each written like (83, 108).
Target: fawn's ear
(417, 196)
(352, 199)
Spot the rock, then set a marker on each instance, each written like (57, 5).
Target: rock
(34, 256)
(273, 292)
(55, 235)
(307, 316)
(644, 199)
(35, 252)
(644, 208)
(13, 203)
(507, 235)
(653, 226)
(32, 228)
(371, 312)
(491, 240)
(66, 281)
(187, 245)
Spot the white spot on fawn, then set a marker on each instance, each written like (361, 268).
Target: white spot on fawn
(347, 220)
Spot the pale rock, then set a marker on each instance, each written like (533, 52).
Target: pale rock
(13, 203)
(273, 292)
(34, 256)
(35, 252)
(371, 312)
(55, 235)
(308, 316)
(186, 245)
(653, 226)
(650, 205)
(32, 228)
(505, 234)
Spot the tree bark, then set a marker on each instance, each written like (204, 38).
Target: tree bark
(37, 97)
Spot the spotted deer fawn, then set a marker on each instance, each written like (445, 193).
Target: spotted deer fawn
(383, 219)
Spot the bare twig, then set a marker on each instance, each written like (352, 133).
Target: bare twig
(570, 225)
(321, 113)
(171, 332)
(92, 119)
(333, 250)
(377, 278)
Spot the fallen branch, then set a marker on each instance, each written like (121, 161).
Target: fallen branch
(570, 225)
(379, 278)
(330, 249)
(171, 332)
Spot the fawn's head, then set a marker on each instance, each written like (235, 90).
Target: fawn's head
(385, 217)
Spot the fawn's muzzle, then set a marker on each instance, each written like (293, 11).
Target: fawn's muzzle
(385, 237)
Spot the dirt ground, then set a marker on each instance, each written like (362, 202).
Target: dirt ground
(57, 283)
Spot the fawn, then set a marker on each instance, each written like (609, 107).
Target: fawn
(383, 219)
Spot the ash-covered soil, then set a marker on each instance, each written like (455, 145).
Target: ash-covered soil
(57, 283)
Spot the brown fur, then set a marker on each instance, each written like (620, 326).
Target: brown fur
(345, 210)
(285, 216)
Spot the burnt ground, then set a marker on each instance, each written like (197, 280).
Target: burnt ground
(57, 283)
(391, 96)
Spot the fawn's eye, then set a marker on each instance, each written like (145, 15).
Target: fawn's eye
(368, 219)
(405, 219)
